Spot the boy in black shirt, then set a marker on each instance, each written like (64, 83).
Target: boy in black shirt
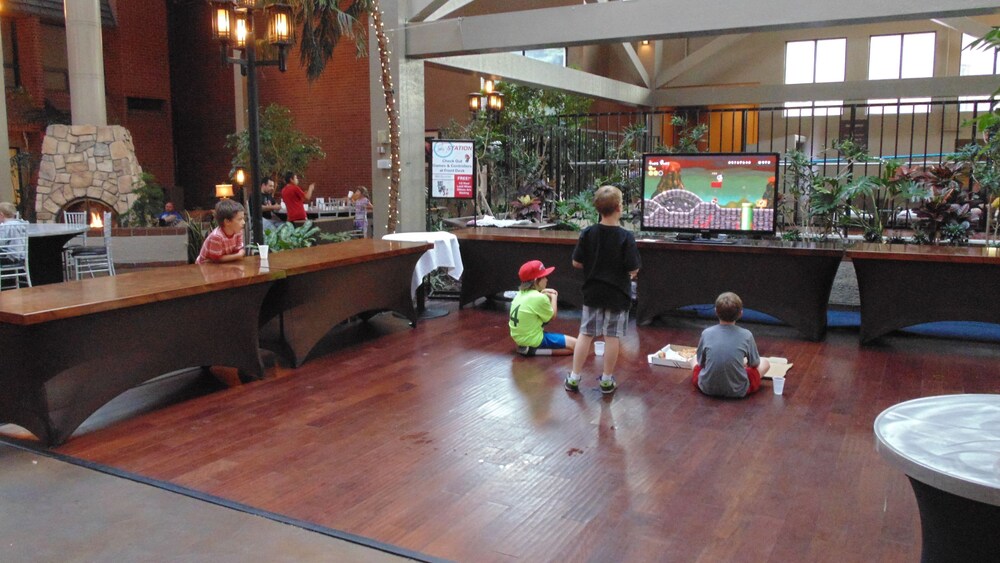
(609, 258)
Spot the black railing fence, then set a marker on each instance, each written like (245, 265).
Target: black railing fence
(580, 152)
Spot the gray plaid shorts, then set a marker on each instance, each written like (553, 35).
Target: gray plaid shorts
(598, 322)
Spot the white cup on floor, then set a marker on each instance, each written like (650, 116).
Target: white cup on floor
(599, 348)
(779, 385)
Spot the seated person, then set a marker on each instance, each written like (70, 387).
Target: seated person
(535, 305)
(225, 242)
(170, 217)
(728, 362)
(8, 215)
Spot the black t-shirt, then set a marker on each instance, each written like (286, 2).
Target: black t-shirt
(266, 199)
(608, 254)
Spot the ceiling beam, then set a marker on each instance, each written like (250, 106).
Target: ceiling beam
(696, 58)
(431, 10)
(964, 25)
(618, 22)
(520, 69)
(634, 58)
(860, 90)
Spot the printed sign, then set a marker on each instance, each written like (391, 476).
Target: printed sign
(453, 169)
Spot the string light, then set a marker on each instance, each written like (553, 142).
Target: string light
(392, 115)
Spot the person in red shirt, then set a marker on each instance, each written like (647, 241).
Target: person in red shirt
(225, 242)
(295, 198)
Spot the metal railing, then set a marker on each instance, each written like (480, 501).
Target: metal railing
(581, 151)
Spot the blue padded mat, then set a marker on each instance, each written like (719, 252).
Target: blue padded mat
(960, 330)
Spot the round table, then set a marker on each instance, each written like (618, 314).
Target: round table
(445, 254)
(949, 447)
(45, 245)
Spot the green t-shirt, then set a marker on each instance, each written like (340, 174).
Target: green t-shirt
(528, 312)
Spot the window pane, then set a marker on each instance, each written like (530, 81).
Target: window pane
(980, 107)
(879, 110)
(798, 112)
(831, 60)
(799, 59)
(556, 55)
(976, 61)
(884, 57)
(823, 107)
(918, 55)
(908, 105)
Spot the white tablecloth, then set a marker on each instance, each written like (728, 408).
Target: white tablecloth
(445, 254)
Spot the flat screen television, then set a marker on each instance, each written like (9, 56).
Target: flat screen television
(709, 193)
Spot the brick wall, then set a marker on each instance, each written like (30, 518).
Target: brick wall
(137, 65)
(335, 109)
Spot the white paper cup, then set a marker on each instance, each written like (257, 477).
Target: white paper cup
(779, 385)
(598, 348)
(262, 251)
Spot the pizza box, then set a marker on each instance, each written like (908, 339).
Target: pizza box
(675, 356)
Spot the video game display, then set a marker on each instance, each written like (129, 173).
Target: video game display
(709, 193)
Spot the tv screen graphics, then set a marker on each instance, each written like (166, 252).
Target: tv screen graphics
(710, 193)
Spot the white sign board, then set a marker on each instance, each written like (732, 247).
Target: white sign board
(453, 169)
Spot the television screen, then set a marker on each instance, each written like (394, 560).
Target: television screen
(710, 193)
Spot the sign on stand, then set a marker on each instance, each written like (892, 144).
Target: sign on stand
(453, 169)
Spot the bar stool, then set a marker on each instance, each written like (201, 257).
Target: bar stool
(14, 253)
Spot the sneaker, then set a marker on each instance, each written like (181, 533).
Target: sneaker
(608, 385)
(525, 351)
(571, 385)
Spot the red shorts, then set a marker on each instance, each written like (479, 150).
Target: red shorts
(752, 373)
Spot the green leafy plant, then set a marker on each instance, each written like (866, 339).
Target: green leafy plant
(148, 205)
(283, 148)
(288, 236)
(196, 236)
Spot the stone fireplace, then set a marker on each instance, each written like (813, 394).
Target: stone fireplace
(86, 165)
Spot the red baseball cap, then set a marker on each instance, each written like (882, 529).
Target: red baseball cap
(533, 270)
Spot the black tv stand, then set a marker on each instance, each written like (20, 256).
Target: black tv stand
(698, 239)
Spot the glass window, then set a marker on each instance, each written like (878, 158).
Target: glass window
(55, 64)
(11, 70)
(813, 62)
(892, 57)
(976, 62)
(555, 55)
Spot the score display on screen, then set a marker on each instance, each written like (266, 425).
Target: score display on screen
(453, 169)
(710, 193)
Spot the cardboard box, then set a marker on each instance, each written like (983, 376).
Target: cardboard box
(671, 356)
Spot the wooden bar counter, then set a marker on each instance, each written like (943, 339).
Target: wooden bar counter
(327, 284)
(787, 280)
(492, 258)
(69, 348)
(904, 285)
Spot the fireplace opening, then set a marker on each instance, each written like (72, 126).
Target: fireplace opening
(93, 208)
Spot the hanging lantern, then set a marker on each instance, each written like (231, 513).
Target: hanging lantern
(240, 30)
(279, 24)
(222, 19)
(475, 102)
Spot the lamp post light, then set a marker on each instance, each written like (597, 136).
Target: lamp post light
(487, 98)
(233, 27)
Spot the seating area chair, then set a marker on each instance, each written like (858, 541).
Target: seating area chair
(14, 254)
(73, 218)
(93, 259)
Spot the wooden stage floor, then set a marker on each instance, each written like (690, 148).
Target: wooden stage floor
(441, 441)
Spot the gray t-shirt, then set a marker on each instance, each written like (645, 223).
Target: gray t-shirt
(721, 352)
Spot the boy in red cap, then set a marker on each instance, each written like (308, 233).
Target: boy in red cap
(535, 305)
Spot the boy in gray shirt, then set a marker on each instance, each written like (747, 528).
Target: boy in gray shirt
(728, 362)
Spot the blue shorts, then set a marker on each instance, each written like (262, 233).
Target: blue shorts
(553, 341)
